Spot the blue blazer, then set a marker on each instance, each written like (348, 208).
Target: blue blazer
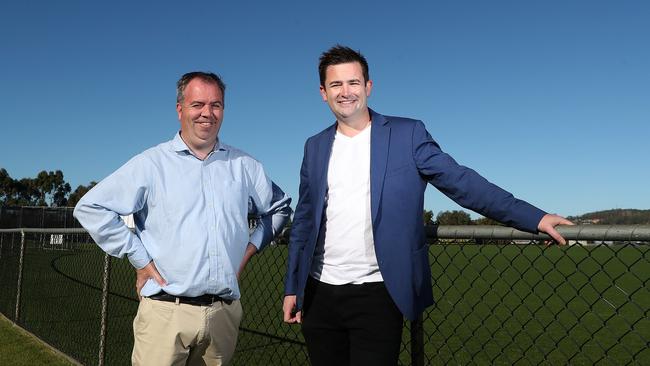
(403, 159)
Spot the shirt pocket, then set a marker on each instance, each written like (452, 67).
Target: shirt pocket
(232, 199)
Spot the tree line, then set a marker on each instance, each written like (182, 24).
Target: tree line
(46, 189)
(607, 217)
(619, 216)
(455, 217)
(51, 189)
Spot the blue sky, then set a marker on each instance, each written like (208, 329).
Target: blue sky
(548, 99)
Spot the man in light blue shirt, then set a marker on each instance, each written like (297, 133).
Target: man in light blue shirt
(190, 198)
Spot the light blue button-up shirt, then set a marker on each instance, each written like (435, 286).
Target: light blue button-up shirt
(191, 215)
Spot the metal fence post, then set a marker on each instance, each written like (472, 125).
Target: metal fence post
(417, 342)
(20, 275)
(104, 315)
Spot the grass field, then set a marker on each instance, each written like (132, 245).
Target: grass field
(496, 304)
(534, 305)
(20, 349)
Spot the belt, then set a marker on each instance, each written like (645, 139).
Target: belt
(203, 300)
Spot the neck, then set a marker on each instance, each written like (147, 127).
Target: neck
(201, 154)
(200, 151)
(352, 128)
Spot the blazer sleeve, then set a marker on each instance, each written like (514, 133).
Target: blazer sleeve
(301, 228)
(468, 188)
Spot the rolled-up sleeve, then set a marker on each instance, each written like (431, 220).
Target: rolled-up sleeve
(271, 207)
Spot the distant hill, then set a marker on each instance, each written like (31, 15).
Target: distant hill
(619, 216)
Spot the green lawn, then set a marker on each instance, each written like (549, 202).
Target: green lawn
(496, 304)
(17, 348)
(531, 305)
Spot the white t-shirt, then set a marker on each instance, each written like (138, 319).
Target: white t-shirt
(348, 253)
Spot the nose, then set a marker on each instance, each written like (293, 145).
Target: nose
(206, 111)
(345, 89)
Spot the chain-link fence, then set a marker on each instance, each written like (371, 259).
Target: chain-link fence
(37, 217)
(503, 297)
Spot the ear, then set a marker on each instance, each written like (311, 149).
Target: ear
(323, 93)
(368, 87)
(179, 109)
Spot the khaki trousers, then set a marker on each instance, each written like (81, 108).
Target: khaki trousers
(166, 333)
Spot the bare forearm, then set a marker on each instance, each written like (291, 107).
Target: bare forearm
(248, 254)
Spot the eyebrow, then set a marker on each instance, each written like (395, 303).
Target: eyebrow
(331, 83)
(204, 102)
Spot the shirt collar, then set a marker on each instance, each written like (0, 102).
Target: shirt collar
(179, 145)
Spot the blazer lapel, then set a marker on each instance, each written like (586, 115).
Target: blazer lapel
(379, 146)
(322, 161)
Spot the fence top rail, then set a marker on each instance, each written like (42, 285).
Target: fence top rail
(577, 232)
(45, 231)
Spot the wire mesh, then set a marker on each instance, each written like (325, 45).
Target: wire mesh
(37, 217)
(498, 302)
(122, 307)
(264, 338)
(58, 301)
(10, 217)
(532, 304)
(9, 257)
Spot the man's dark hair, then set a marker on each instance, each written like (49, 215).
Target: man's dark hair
(341, 55)
(207, 77)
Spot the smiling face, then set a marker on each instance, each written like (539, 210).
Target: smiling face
(200, 113)
(346, 92)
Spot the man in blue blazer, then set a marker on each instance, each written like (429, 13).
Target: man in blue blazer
(358, 262)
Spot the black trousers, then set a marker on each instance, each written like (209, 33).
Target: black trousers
(351, 324)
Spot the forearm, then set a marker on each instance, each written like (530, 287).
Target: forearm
(251, 250)
(111, 233)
